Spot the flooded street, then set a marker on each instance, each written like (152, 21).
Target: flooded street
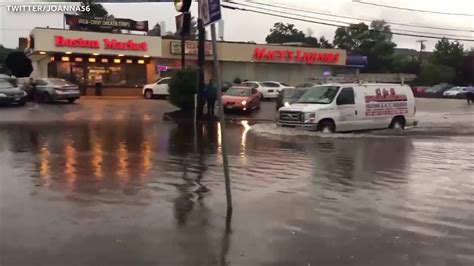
(104, 183)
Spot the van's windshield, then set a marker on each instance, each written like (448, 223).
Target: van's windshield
(319, 95)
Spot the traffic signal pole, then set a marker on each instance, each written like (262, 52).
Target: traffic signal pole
(201, 61)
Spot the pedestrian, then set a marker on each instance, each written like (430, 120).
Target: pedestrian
(211, 97)
(33, 91)
(470, 94)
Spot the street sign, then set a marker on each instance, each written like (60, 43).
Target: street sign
(210, 11)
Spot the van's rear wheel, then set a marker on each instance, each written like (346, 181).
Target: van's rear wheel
(398, 123)
(326, 127)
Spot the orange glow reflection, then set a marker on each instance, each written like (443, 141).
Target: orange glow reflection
(122, 154)
(44, 167)
(70, 154)
(97, 156)
(146, 156)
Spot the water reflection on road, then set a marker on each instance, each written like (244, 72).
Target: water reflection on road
(140, 193)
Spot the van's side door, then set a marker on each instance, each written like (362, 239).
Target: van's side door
(348, 113)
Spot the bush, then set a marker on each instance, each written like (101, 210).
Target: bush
(183, 86)
(237, 80)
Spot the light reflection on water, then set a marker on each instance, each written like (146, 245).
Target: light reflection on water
(328, 188)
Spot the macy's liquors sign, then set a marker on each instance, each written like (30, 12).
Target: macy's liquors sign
(296, 56)
(113, 44)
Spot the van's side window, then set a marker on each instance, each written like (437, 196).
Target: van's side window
(346, 97)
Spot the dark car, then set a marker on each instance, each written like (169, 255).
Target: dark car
(226, 85)
(289, 96)
(10, 94)
(437, 90)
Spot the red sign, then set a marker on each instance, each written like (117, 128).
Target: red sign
(295, 56)
(95, 44)
(79, 42)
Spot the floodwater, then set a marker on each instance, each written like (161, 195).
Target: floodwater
(146, 193)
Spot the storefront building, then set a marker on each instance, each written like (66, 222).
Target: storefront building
(249, 61)
(288, 64)
(122, 63)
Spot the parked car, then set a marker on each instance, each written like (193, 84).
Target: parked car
(226, 85)
(419, 91)
(306, 85)
(159, 88)
(55, 89)
(241, 98)
(456, 92)
(290, 96)
(10, 94)
(269, 89)
(437, 90)
(341, 107)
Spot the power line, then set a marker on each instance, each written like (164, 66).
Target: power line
(355, 18)
(346, 24)
(415, 10)
(335, 25)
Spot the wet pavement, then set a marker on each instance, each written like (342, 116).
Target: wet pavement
(106, 182)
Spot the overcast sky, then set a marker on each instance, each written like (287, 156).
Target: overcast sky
(247, 26)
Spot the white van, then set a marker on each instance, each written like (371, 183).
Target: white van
(343, 107)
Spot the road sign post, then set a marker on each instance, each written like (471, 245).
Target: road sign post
(210, 13)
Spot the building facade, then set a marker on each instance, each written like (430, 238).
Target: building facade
(123, 63)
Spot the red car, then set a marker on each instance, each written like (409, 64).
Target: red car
(241, 99)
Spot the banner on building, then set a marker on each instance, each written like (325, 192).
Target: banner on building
(191, 47)
(115, 23)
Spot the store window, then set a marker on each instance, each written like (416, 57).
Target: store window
(112, 75)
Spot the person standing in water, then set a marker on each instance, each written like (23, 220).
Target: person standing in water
(211, 97)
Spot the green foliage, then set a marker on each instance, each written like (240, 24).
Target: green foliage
(448, 53)
(432, 74)
(182, 87)
(401, 64)
(375, 42)
(3, 57)
(237, 80)
(283, 33)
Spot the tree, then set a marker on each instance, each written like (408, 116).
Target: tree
(448, 53)
(155, 31)
(284, 33)
(281, 33)
(375, 42)
(432, 74)
(324, 43)
(182, 88)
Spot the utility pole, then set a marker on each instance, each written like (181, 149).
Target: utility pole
(201, 61)
(422, 47)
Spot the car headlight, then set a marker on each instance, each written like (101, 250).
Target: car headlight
(3, 95)
(287, 104)
(244, 102)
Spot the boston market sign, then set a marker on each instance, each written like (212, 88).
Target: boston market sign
(297, 56)
(112, 44)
